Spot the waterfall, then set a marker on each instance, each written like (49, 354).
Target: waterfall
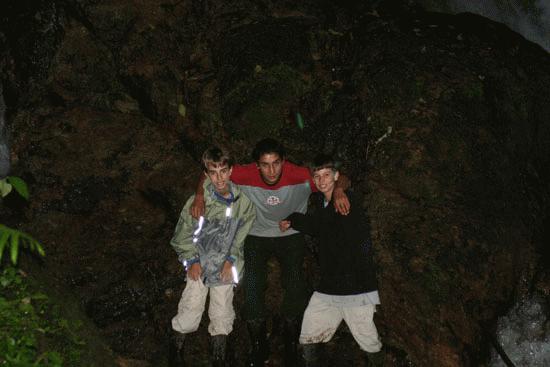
(524, 334)
(531, 19)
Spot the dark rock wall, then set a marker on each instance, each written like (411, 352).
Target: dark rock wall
(450, 187)
(441, 120)
(5, 158)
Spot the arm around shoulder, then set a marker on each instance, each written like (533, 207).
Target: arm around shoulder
(197, 208)
(246, 216)
(182, 240)
(341, 201)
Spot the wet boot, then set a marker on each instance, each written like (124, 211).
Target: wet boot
(375, 359)
(259, 349)
(291, 334)
(219, 350)
(311, 354)
(176, 350)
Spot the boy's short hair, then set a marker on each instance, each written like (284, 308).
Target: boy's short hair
(216, 156)
(267, 146)
(322, 161)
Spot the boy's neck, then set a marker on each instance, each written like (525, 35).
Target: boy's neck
(328, 195)
(226, 194)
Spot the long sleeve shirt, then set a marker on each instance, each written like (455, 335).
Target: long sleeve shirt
(345, 246)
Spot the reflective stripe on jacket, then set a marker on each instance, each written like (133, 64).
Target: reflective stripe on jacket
(220, 235)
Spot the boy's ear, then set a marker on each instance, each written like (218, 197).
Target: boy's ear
(336, 175)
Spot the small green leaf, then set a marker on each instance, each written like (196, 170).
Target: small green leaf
(5, 187)
(14, 251)
(33, 244)
(182, 110)
(64, 323)
(54, 359)
(24, 241)
(3, 239)
(4, 282)
(39, 296)
(19, 185)
(40, 249)
(299, 120)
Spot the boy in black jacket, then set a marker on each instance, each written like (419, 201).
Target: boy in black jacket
(348, 287)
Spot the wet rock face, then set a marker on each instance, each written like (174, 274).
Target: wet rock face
(4, 144)
(529, 18)
(440, 120)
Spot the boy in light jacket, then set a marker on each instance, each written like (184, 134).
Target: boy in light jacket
(211, 250)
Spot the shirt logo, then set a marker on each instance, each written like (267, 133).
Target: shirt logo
(273, 200)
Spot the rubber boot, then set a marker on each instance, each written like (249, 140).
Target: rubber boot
(291, 332)
(259, 349)
(176, 350)
(375, 359)
(219, 350)
(311, 354)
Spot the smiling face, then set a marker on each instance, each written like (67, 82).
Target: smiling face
(219, 174)
(324, 180)
(271, 167)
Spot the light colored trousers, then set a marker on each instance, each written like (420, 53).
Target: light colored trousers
(191, 308)
(321, 319)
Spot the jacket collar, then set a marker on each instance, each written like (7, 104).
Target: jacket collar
(214, 196)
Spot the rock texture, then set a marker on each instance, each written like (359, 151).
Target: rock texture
(442, 121)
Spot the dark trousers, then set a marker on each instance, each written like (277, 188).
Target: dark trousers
(289, 252)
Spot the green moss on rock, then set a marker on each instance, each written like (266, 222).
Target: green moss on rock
(258, 105)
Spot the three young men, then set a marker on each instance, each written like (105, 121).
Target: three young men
(347, 289)
(277, 188)
(211, 249)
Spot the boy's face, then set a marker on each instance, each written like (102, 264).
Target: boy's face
(219, 175)
(325, 180)
(271, 167)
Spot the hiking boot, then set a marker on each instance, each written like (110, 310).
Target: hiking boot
(219, 350)
(311, 354)
(259, 349)
(176, 350)
(375, 359)
(291, 332)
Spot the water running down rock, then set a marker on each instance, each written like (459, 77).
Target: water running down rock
(524, 333)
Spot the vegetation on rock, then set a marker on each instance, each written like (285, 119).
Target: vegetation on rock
(34, 331)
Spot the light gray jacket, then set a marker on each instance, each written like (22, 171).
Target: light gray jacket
(217, 237)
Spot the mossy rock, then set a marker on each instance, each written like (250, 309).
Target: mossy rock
(263, 103)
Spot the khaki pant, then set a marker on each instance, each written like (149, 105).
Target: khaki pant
(321, 319)
(192, 304)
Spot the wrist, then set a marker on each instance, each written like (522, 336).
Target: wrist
(188, 262)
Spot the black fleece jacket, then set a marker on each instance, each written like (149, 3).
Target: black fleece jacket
(345, 247)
